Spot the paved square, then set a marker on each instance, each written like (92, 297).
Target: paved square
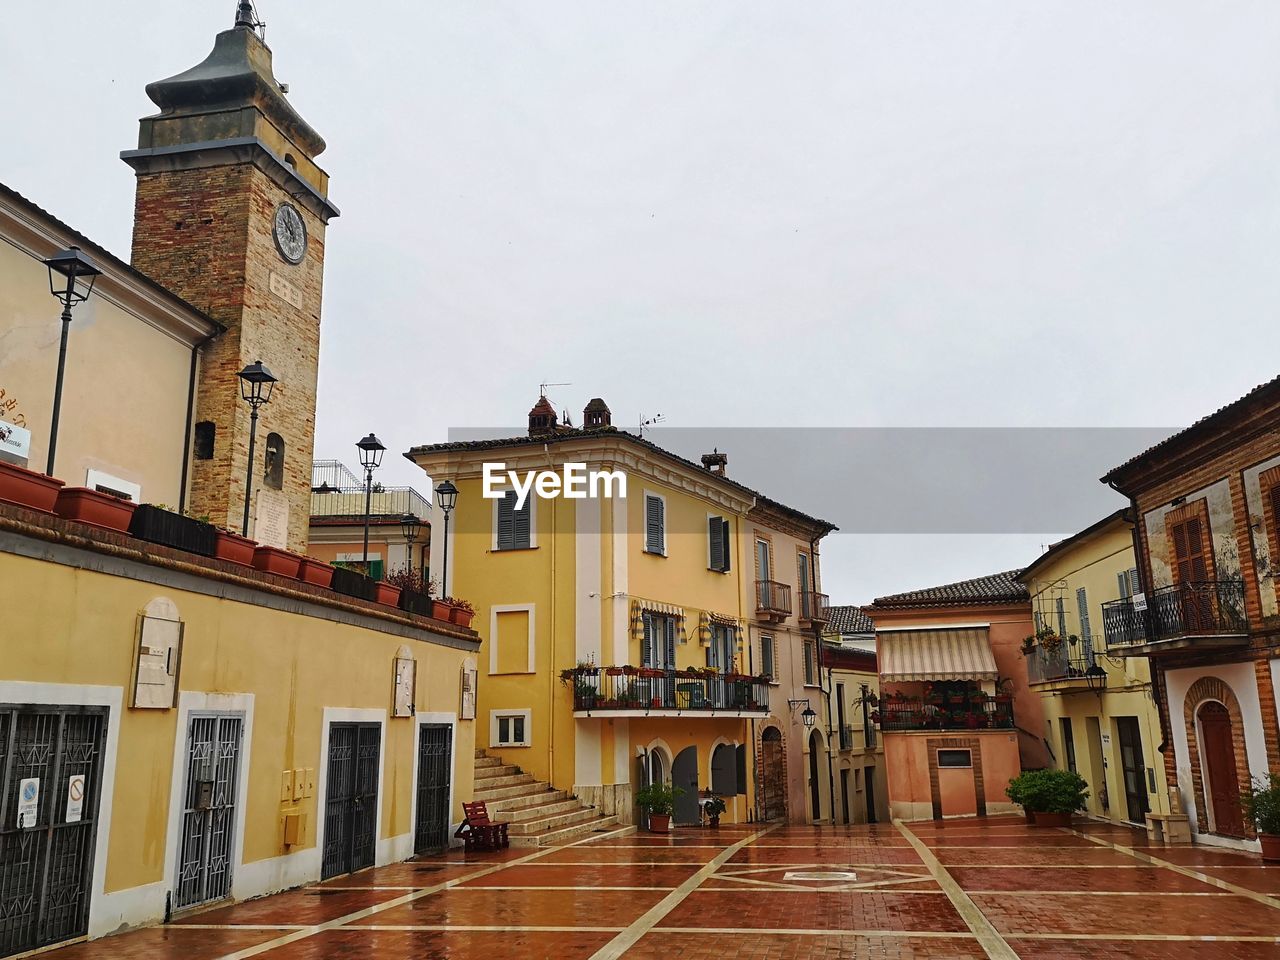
(960, 890)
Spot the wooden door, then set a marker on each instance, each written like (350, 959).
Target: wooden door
(1218, 752)
(1133, 769)
(773, 787)
(1191, 572)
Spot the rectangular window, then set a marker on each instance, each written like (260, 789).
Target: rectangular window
(846, 740)
(1127, 580)
(810, 663)
(659, 643)
(803, 585)
(718, 544)
(511, 730)
(1068, 744)
(655, 525)
(724, 642)
(955, 758)
(515, 527)
(1082, 605)
(763, 567)
(767, 658)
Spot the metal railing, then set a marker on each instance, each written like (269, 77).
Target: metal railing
(869, 735)
(600, 689)
(846, 737)
(974, 712)
(773, 598)
(1070, 661)
(383, 502)
(814, 606)
(1198, 608)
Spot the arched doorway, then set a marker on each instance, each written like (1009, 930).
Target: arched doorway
(773, 786)
(815, 788)
(655, 770)
(684, 774)
(1218, 753)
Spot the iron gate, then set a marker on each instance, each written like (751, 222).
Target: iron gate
(53, 755)
(431, 832)
(351, 798)
(208, 814)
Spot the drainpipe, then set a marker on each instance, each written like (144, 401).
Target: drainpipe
(822, 657)
(191, 412)
(551, 643)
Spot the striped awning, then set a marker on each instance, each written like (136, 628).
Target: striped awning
(958, 654)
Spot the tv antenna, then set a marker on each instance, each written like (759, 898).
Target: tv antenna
(650, 421)
(542, 387)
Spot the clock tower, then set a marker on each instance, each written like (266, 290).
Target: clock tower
(230, 214)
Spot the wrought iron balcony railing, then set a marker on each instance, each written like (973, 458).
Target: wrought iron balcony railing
(814, 606)
(603, 689)
(1071, 661)
(1184, 611)
(773, 599)
(974, 711)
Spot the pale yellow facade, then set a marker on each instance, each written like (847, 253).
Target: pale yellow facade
(1114, 732)
(862, 794)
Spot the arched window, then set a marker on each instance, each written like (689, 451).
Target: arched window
(273, 468)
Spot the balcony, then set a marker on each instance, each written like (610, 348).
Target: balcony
(849, 734)
(773, 600)
(814, 607)
(1199, 613)
(973, 711)
(1071, 666)
(651, 691)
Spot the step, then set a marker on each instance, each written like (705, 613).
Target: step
(535, 811)
(554, 821)
(519, 786)
(486, 784)
(531, 800)
(484, 774)
(483, 763)
(564, 835)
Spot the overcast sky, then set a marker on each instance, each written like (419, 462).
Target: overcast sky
(739, 214)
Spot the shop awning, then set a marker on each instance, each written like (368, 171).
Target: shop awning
(957, 654)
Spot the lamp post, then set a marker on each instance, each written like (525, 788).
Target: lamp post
(371, 451)
(71, 279)
(256, 384)
(808, 716)
(411, 526)
(446, 500)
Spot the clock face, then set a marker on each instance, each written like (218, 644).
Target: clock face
(290, 232)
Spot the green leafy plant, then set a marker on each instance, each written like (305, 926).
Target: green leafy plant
(714, 806)
(411, 580)
(658, 798)
(1261, 803)
(1048, 791)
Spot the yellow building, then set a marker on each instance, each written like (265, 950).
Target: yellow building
(1100, 717)
(853, 680)
(614, 649)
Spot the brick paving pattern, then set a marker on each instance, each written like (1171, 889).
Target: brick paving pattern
(764, 893)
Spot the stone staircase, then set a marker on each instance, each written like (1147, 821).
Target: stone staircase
(539, 815)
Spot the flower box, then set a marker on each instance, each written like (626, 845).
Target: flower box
(158, 525)
(94, 507)
(386, 593)
(613, 671)
(274, 560)
(416, 602)
(315, 572)
(352, 583)
(26, 488)
(461, 616)
(441, 610)
(234, 548)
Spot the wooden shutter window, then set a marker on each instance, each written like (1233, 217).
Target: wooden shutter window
(716, 543)
(646, 645)
(506, 521)
(670, 631)
(725, 546)
(1082, 604)
(655, 540)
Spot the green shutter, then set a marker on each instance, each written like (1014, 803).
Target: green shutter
(726, 546)
(646, 644)
(654, 534)
(1082, 602)
(670, 623)
(506, 521)
(716, 541)
(522, 528)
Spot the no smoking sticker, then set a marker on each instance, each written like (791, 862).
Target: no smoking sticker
(75, 798)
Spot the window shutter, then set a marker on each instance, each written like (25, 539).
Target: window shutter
(506, 521)
(716, 541)
(726, 546)
(654, 541)
(520, 525)
(1082, 604)
(646, 644)
(1134, 585)
(670, 624)
(1122, 583)
(741, 758)
(1060, 606)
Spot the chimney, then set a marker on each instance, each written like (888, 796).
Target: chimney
(716, 462)
(542, 418)
(596, 414)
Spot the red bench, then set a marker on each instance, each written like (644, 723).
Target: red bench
(478, 832)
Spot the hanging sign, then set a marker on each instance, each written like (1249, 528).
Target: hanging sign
(75, 798)
(1139, 602)
(28, 801)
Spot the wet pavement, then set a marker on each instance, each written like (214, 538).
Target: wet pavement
(946, 891)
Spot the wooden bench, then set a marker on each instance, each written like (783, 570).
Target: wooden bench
(478, 832)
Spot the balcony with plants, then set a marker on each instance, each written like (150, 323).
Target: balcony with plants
(949, 705)
(1194, 613)
(1055, 662)
(658, 691)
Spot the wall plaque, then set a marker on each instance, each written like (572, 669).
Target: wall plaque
(271, 519)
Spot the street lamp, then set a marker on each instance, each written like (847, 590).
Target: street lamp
(256, 384)
(371, 451)
(807, 715)
(71, 279)
(446, 500)
(411, 526)
(1096, 678)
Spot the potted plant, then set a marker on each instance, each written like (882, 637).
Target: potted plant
(460, 611)
(416, 592)
(229, 545)
(352, 583)
(315, 572)
(1261, 804)
(156, 523)
(657, 800)
(1052, 796)
(91, 506)
(26, 488)
(386, 592)
(1020, 788)
(714, 807)
(274, 560)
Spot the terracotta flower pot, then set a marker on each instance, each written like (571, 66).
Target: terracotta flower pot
(659, 823)
(1043, 819)
(315, 571)
(461, 617)
(441, 611)
(387, 593)
(96, 508)
(235, 548)
(26, 488)
(277, 561)
(1270, 847)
